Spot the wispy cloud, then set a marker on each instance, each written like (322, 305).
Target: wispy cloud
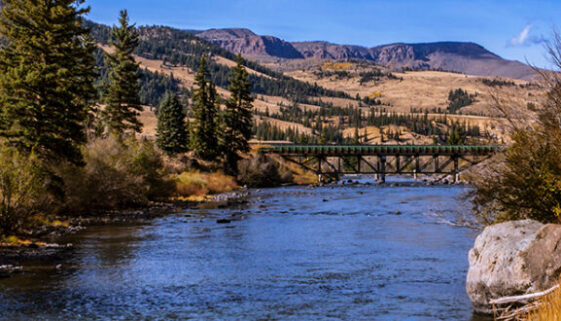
(525, 39)
(522, 36)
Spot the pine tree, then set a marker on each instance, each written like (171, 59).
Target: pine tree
(122, 98)
(46, 77)
(171, 134)
(238, 117)
(457, 135)
(351, 162)
(356, 138)
(206, 103)
(323, 138)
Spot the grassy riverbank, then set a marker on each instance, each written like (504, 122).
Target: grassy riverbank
(120, 176)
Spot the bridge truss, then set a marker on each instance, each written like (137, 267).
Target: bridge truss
(335, 160)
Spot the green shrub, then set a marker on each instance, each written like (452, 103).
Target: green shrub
(262, 171)
(527, 182)
(147, 163)
(116, 175)
(21, 189)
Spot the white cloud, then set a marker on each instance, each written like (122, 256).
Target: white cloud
(522, 37)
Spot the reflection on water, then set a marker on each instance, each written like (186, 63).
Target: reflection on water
(295, 253)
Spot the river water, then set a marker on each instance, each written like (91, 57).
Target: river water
(294, 253)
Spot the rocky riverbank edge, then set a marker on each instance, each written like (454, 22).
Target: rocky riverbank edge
(43, 243)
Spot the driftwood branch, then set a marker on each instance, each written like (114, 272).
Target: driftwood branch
(515, 306)
(523, 298)
(513, 315)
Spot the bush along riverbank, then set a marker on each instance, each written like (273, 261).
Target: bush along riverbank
(515, 264)
(125, 181)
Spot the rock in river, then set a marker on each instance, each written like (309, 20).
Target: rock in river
(513, 258)
(7, 270)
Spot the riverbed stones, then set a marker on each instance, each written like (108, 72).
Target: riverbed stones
(513, 258)
(8, 270)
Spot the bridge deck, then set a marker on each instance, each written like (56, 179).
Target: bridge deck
(377, 150)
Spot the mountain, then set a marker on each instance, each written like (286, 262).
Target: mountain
(463, 57)
(247, 43)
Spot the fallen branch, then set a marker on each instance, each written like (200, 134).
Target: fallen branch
(513, 315)
(521, 298)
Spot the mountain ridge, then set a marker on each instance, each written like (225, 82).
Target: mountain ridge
(463, 57)
(244, 41)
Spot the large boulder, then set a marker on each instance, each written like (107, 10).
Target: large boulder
(513, 258)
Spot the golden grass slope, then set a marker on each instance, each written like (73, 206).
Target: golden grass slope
(426, 90)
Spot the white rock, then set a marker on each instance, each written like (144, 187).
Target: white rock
(513, 258)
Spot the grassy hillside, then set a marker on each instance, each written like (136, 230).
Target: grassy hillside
(325, 100)
(416, 90)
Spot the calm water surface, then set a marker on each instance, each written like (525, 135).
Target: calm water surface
(295, 253)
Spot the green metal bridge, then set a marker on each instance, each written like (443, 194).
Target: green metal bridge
(334, 160)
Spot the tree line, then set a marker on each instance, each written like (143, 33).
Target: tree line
(357, 117)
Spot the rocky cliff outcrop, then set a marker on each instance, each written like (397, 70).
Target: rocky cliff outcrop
(326, 50)
(247, 43)
(513, 258)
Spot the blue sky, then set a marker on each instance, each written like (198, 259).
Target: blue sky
(512, 29)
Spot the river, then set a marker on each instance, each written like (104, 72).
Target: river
(392, 252)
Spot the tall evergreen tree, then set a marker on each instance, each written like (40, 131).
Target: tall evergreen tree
(206, 103)
(122, 98)
(238, 117)
(356, 138)
(46, 77)
(457, 135)
(171, 134)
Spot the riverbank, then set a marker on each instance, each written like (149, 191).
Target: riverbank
(42, 242)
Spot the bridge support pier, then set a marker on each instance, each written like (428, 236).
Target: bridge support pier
(417, 166)
(382, 178)
(456, 169)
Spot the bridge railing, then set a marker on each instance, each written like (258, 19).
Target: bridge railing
(365, 150)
